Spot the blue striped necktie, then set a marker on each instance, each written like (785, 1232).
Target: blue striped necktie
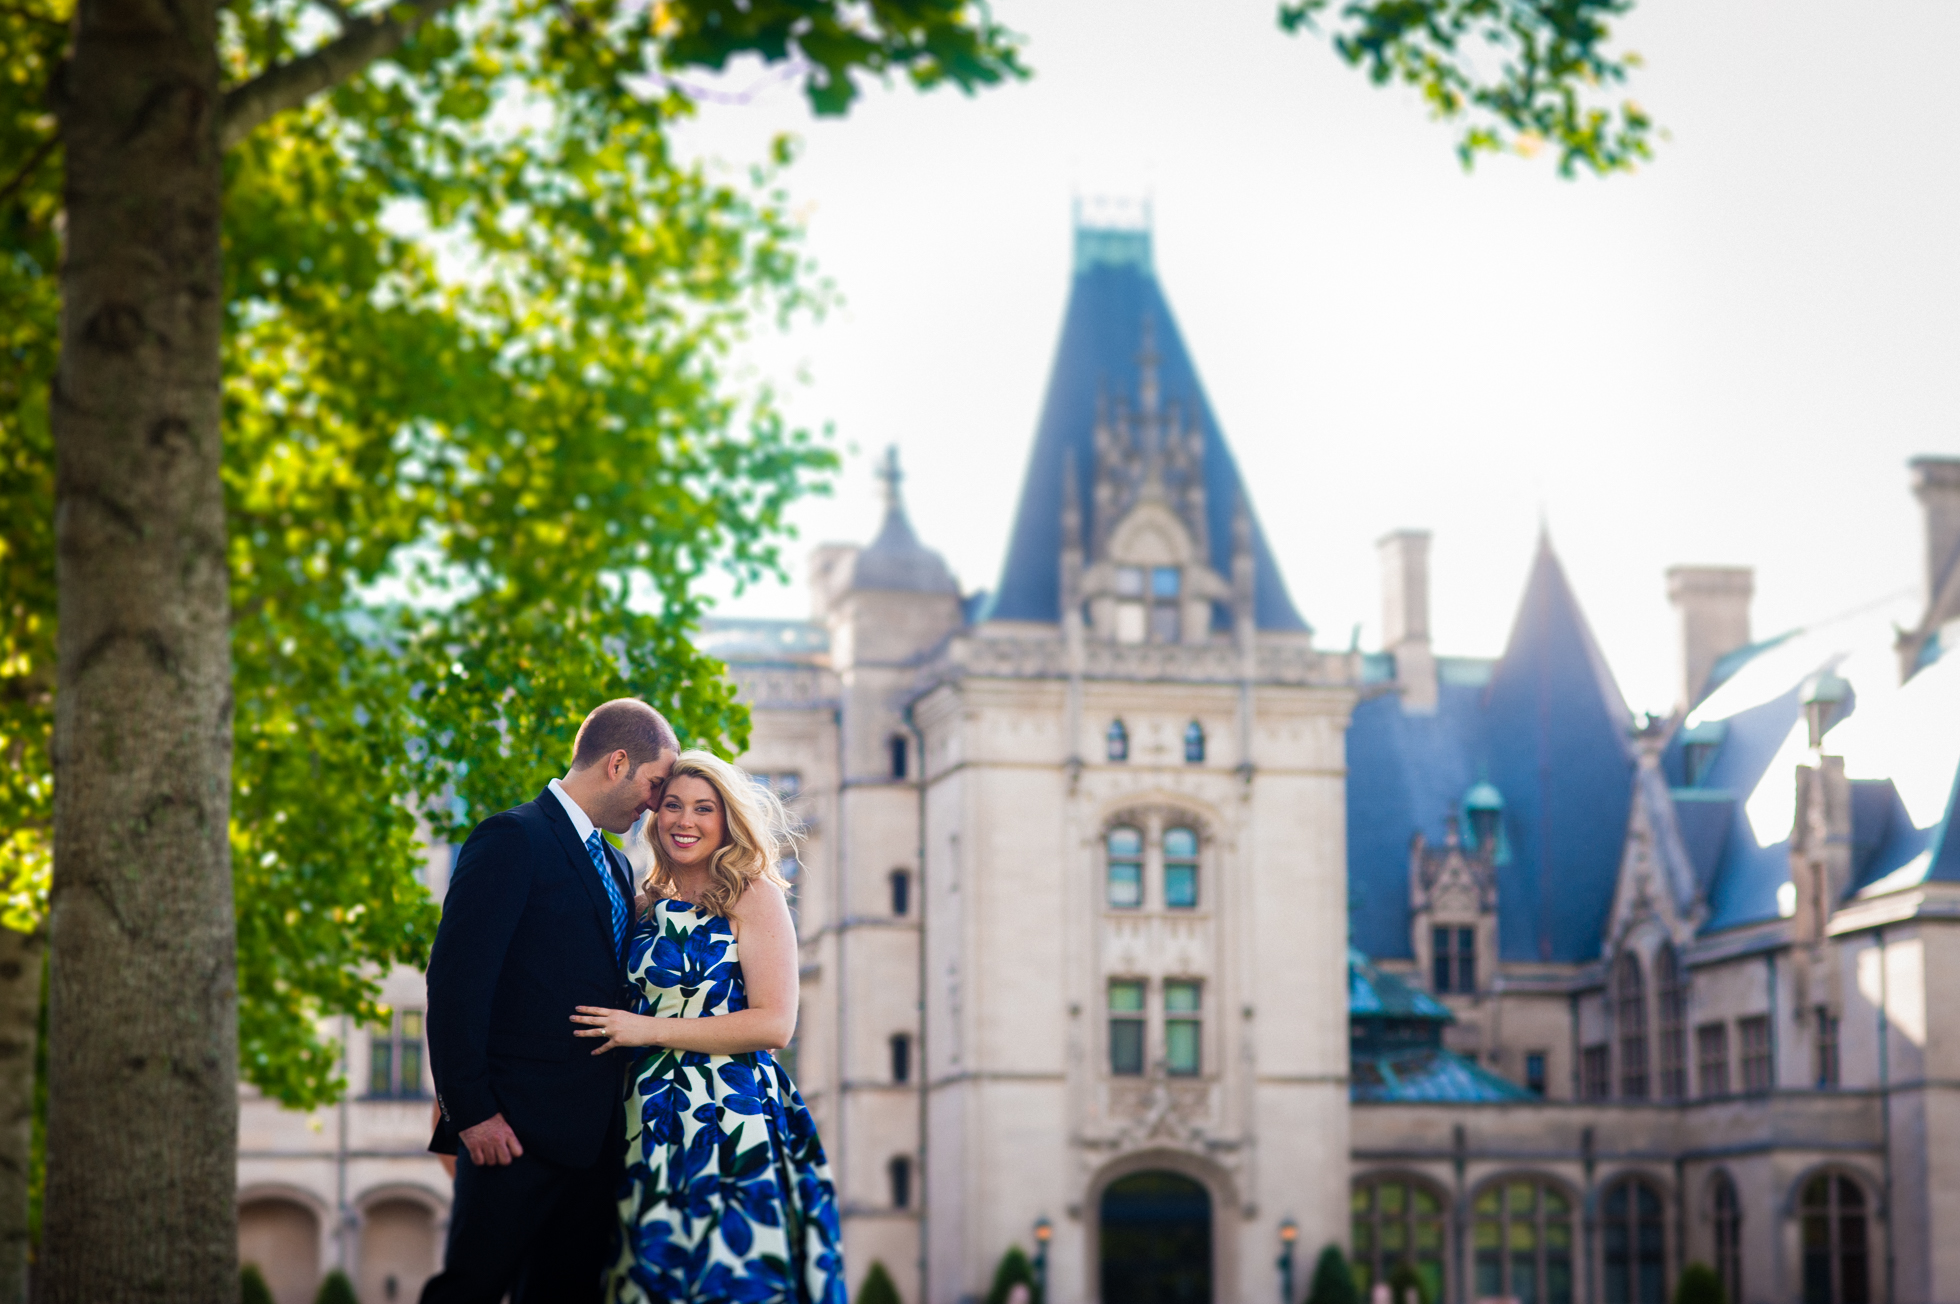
(613, 894)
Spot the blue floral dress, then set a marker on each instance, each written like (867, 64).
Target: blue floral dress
(727, 1194)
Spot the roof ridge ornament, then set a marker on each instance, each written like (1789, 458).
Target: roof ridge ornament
(892, 475)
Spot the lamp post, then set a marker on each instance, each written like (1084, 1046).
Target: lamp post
(1289, 1232)
(1044, 1231)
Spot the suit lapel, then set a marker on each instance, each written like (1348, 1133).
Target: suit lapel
(582, 867)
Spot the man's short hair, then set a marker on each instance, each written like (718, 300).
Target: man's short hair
(624, 724)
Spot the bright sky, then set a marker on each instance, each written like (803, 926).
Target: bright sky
(1724, 358)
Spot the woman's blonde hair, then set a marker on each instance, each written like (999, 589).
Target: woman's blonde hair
(757, 834)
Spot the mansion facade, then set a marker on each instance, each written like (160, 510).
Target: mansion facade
(1142, 933)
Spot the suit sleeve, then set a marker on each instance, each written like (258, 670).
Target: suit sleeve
(486, 898)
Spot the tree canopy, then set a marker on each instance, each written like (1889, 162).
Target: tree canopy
(481, 439)
(1517, 75)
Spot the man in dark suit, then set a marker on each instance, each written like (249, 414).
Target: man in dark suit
(534, 924)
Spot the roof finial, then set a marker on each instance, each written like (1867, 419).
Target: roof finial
(889, 472)
(1147, 360)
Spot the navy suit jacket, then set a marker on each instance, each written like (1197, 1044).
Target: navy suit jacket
(526, 935)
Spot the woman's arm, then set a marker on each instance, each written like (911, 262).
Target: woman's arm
(767, 941)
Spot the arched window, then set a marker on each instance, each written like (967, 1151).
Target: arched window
(1118, 740)
(1634, 1242)
(900, 1172)
(1671, 999)
(1523, 1233)
(1630, 1013)
(1194, 743)
(1125, 881)
(901, 1057)
(1396, 1220)
(1180, 869)
(1836, 1253)
(1725, 1208)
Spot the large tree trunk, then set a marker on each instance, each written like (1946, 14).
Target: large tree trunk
(142, 1042)
(20, 1019)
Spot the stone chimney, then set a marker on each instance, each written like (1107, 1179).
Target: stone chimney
(1405, 615)
(1936, 484)
(1714, 606)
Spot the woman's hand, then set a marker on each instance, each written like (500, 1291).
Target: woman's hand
(618, 1027)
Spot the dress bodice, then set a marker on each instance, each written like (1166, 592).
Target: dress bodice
(727, 1194)
(684, 963)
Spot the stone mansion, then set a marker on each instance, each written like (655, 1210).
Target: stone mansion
(1141, 932)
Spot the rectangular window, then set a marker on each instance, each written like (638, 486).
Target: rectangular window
(1827, 1049)
(1712, 1053)
(1126, 1028)
(1180, 869)
(1595, 1075)
(1455, 961)
(1534, 1072)
(1181, 1029)
(1758, 1072)
(1130, 612)
(1124, 890)
(1166, 616)
(901, 892)
(395, 1057)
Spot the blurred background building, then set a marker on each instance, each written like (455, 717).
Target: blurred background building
(1141, 932)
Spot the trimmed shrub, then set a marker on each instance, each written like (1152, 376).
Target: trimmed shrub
(1014, 1270)
(1333, 1280)
(336, 1289)
(877, 1287)
(251, 1286)
(1700, 1285)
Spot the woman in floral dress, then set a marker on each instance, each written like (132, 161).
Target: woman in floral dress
(727, 1195)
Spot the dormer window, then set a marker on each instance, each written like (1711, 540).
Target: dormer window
(1166, 623)
(1131, 615)
(1699, 745)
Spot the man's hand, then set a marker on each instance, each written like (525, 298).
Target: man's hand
(491, 1142)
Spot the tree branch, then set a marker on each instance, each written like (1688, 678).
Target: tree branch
(288, 85)
(34, 160)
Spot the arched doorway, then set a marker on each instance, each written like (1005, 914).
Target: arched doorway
(283, 1238)
(399, 1250)
(1156, 1240)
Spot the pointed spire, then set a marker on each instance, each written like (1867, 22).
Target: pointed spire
(1550, 625)
(889, 472)
(1071, 507)
(1148, 391)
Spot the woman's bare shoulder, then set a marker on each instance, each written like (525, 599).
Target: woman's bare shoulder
(760, 897)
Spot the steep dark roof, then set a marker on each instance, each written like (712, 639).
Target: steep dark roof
(1549, 729)
(1114, 292)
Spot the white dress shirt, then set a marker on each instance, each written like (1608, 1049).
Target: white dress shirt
(581, 822)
